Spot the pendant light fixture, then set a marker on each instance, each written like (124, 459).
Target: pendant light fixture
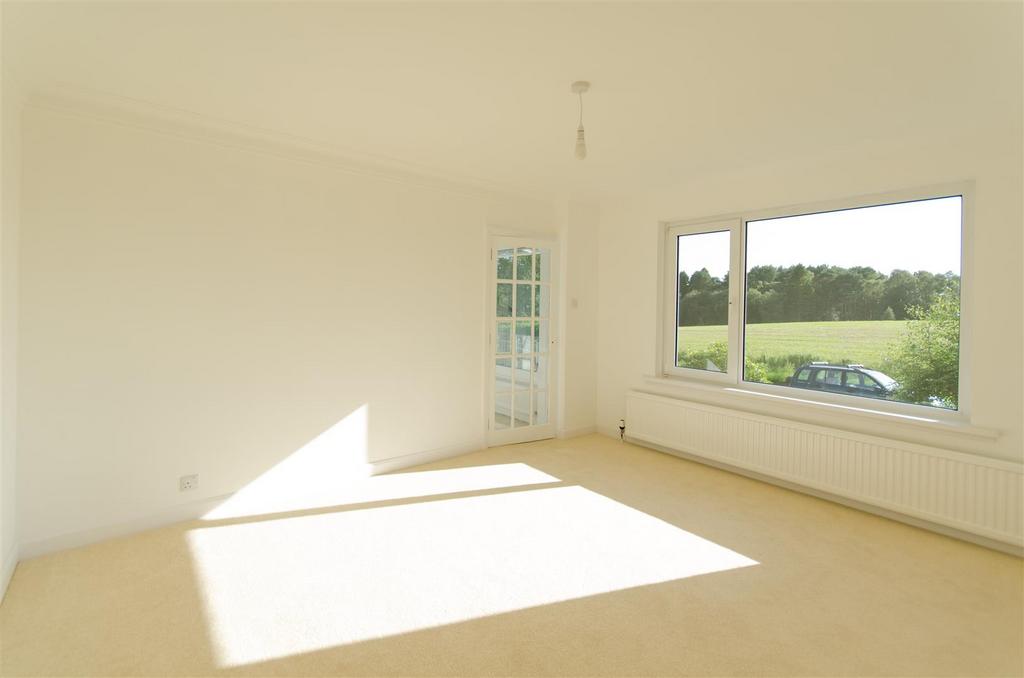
(579, 88)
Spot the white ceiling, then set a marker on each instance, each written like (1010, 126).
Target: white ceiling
(482, 91)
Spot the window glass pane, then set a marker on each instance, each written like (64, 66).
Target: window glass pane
(702, 301)
(873, 293)
(504, 300)
(524, 263)
(524, 344)
(504, 264)
(524, 301)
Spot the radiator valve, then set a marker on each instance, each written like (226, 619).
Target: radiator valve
(622, 429)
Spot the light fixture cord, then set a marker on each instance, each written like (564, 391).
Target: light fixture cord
(580, 94)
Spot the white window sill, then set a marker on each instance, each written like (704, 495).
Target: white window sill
(812, 411)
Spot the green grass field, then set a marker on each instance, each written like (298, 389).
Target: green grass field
(859, 341)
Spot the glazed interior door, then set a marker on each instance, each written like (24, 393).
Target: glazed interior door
(522, 340)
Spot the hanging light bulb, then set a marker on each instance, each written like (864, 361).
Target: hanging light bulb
(578, 88)
(581, 144)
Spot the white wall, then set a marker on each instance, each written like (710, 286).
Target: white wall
(628, 252)
(579, 301)
(193, 308)
(10, 169)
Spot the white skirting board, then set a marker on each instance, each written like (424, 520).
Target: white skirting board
(576, 432)
(407, 460)
(167, 516)
(195, 509)
(10, 561)
(968, 493)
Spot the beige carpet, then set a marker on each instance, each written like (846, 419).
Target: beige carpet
(575, 557)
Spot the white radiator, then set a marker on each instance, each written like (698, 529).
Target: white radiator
(966, 492)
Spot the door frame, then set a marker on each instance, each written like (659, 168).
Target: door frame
(528, 433)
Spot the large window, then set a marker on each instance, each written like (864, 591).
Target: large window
(861, 301)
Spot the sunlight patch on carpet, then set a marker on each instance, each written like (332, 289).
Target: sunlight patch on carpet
(281, 587)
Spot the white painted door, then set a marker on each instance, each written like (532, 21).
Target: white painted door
(522, 338)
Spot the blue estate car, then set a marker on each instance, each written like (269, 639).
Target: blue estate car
(849, 379)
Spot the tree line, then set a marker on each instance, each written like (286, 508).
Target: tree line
(812, 293)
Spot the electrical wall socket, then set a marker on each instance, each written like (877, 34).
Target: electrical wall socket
(188, 483)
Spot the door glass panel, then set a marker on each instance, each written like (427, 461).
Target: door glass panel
(540, 371)
(503, 302)
(523, 343)
(524, 263)
(524, 301)
(540, 408)
(504, 264)
(541, 297)
(502, 375)
(503, 337)
(502, 410)
(542, 265)
(540, 336)
(522, 408)
(522, 372)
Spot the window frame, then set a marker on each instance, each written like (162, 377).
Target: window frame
(670, 292)
(732, 379)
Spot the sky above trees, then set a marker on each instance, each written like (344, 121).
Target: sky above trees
(923, 235)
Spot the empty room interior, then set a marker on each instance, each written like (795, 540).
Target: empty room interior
(512, 339)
